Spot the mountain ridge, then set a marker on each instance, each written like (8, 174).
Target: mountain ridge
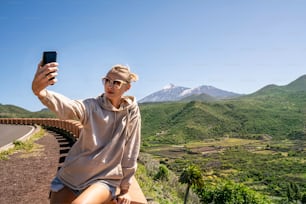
(276, 111)
(172, 92)
(296, 85)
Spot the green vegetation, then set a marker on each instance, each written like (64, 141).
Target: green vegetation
(165, 189)
(250, 149)
(11, 111)
(227, 192)
(249, 117)
(27, 146)
(266, 166)
(273, 111)
(191, 176)
(162, 174)
(255, 141)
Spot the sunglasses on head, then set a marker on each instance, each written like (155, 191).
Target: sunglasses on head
(116, 83)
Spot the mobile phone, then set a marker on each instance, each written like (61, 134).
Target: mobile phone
(49, 56)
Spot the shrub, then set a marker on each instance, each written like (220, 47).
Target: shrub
(229, 193)
(162, 174)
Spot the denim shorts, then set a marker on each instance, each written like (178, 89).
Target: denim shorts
(57, 185)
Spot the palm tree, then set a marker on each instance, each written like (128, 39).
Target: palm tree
(192, 177)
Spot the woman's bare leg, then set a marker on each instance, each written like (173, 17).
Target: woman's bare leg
(64, 196)
(94, 194)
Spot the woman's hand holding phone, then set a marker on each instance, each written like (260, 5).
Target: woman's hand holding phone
(45, 75)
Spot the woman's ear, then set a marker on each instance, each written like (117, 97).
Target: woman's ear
(128, 86)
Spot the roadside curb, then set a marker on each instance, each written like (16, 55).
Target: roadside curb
(25, 137)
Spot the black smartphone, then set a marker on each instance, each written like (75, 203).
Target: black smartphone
(49, 56)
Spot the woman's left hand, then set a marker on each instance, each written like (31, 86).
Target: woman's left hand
(124, 199)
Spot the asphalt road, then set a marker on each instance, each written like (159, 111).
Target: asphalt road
(9, 133)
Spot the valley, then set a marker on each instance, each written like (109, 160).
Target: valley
(258, 140)
(266, 166)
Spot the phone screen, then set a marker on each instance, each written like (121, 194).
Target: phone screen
(49, 56)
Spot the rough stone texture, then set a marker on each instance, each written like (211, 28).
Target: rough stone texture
(25, 177)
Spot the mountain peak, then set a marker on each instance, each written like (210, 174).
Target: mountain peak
(209, 90)
(295, 86)
(177, 93)
(169, 86)
(298, 85)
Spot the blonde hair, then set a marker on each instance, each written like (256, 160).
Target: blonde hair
(123, 71)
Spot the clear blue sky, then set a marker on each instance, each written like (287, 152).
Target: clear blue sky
(234, 45)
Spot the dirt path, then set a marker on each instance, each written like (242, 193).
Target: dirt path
(25, 177)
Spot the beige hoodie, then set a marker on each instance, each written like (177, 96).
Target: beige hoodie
(109, 143)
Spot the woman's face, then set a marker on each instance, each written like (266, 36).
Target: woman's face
(114, 88)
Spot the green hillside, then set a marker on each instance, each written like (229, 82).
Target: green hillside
(298, 85)
(179, 123)
(11, 111)
(201, 97)
(276, 111)
(257, 140)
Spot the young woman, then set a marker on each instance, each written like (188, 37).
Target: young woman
(105, 156)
